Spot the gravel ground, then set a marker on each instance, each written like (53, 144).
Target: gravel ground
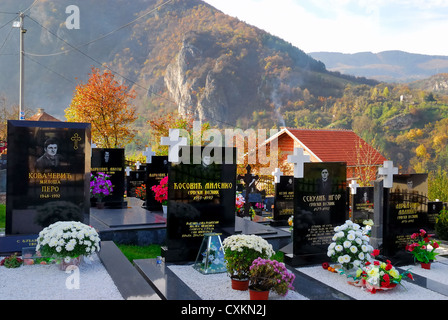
(48, 282)
(218, 286)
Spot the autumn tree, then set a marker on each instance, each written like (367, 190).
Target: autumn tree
(104, 103)
(159, 127)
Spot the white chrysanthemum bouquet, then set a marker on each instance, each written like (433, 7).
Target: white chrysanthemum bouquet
(240, 250)
(68, 239)
(351, 246)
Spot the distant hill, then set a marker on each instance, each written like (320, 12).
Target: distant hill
(437, 83)
(180, 54)
(387, 66)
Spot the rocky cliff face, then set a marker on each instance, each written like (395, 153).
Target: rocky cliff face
(195, 92)
(203, 81)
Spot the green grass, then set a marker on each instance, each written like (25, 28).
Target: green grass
(152, 251)
(133, 252)
(2, 216)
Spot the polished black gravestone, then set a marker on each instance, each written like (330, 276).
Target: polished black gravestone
(434, 208)
(111, 162)
(48, 174)
(405, 212)
(155, 172)
(319, 206)
(284, 200)
(201, 200)
(134, 180)
(363, 205)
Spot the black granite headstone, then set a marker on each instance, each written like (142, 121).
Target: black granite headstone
(407, 212)
(363, 205)
(434, 208)
(319, 206)
(48, 172)
(155, 171)
(111, 162)
(201, 200)
(284, 199)
(135, 180)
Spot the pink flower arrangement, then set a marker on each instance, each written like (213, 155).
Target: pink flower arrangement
(266, 274)
(161, 191)
(239, 203)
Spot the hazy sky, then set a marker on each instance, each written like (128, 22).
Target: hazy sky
(349, 26)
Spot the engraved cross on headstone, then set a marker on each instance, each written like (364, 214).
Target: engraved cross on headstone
(76, 138)
(298, 159)
(388, 170)
(249, 180)
(174, 141)
(128, 170)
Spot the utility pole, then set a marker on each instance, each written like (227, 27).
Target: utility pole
(19, 24)
(22, 53)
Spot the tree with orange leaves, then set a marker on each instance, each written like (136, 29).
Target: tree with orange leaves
(105, 104)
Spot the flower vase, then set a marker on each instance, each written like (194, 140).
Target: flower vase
(99, 203)
(425, 265)
(165, 209)
(67, 262)
(258, 295)
(240, 284)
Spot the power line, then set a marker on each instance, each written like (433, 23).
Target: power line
(103, 36)
(51, 70)
(105, 66)
(6, 39)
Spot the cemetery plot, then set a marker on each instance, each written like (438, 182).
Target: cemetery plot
(111, 162)
(134, 180)
(362, 208)
(201, 199)
(284, 198)
(48, 174)
(155, 172)
(319, 206)
(407, 212)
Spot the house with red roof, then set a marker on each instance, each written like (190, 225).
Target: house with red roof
(331, 145)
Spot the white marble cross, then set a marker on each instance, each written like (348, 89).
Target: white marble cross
(388, 170)
(148, 154)
(298, 159)
(174, 142)
(128, 170)
(353, 186)
(137, 165)
(277, 174)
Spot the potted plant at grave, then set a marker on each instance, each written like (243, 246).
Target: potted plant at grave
(378, 276)
(240, 250)
(350, 247)
(161, 193)
(68, 241)
(269, 275)
(420, 248)
(100, 187)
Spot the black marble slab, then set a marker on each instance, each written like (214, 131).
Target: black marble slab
(133, 215)
(128, 280)
(164, 281)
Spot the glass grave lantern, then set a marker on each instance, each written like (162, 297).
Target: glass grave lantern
(210, 258)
